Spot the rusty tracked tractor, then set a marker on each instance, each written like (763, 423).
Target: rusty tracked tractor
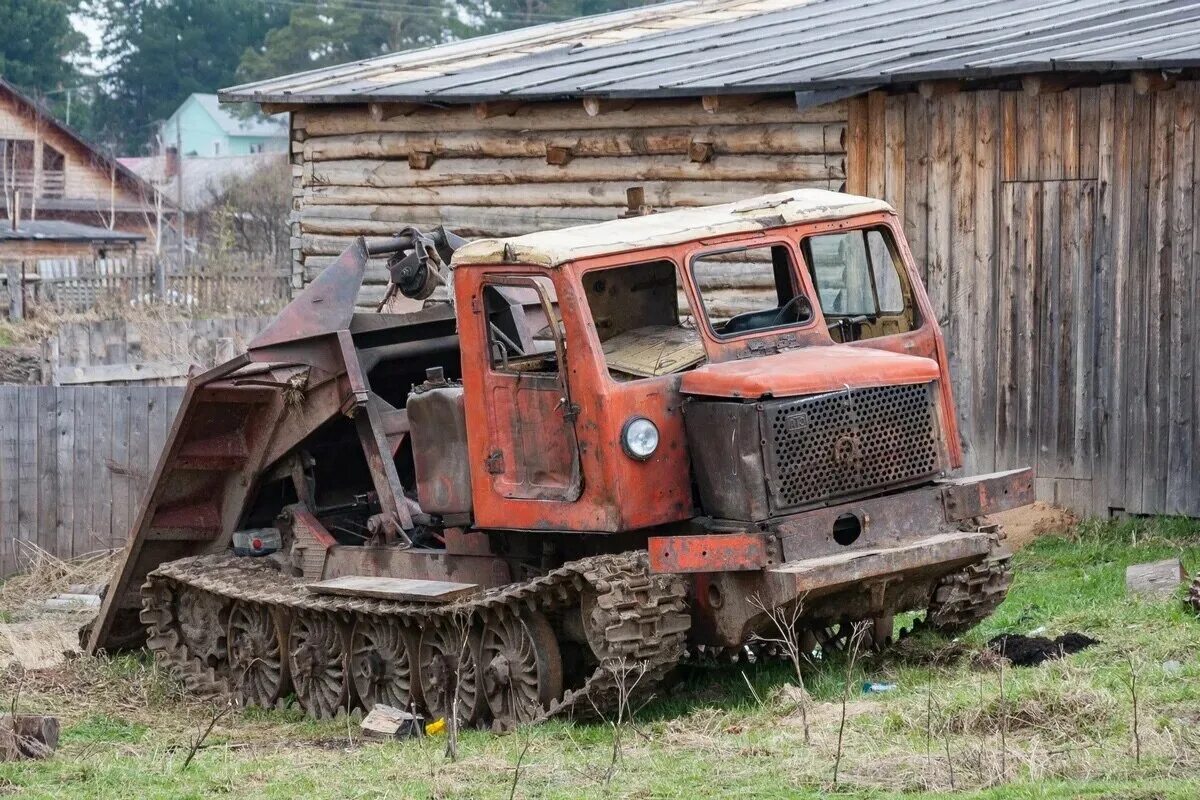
(599, 450)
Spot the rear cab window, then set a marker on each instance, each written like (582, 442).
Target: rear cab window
(643, 319)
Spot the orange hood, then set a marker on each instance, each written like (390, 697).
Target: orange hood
(809, 370)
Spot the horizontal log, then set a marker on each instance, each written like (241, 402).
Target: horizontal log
(347, 119)
(659, 194)
(713, 277)
(371, 295)
(497, 171)
(469, 221)
(723, 304)
(312, 244)
(798, 139)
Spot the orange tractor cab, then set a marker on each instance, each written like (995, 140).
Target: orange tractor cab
(600, 446)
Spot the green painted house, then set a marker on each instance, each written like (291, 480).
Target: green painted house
(204, 127)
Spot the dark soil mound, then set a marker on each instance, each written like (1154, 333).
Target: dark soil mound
(1029, 651)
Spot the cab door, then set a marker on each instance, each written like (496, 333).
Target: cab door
(533, 452)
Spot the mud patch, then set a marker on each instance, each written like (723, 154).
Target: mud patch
(1029, 651)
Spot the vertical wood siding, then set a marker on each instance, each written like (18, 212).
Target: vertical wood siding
(74, 464)
(1058, 236)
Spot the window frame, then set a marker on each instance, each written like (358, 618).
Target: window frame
(526, 280)
(588, 325)
(799, 278)
(898, 263)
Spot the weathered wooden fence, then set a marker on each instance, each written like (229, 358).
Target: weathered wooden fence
(143, 350)
(74, 463)
(72, 284)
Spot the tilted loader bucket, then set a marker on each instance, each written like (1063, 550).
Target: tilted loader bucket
(235, 421)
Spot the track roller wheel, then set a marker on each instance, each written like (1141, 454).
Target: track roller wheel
(317, 659)
(522, 667)
(448, 653)
(382, 659)
(258, 669)
(874, 633)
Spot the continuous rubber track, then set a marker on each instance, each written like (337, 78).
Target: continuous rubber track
(1193, 597)
(636, 622)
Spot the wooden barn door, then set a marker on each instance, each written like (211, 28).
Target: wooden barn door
(1047, 332)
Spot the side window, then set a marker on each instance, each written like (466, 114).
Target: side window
(524, 328)
(730, 286)
(860, 283)
(643, 319)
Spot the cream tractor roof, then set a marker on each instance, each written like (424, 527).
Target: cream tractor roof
(556, 247)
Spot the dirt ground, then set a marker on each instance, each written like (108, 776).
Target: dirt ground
(32, 636)
(1023, 525)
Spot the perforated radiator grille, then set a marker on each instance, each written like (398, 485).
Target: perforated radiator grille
(846, 443)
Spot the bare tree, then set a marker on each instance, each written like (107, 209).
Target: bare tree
(790, 637)
(856, 637)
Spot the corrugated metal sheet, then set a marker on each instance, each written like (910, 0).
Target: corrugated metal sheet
(712, 46)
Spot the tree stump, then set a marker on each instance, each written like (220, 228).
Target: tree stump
(27, 736)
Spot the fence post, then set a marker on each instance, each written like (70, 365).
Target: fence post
(160, 279)
(16, 290)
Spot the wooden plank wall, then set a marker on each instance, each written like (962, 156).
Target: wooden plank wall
(1059, 234)
(74, 463)
(484, 172)
(204, 342)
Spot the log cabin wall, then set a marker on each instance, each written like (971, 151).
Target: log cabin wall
(489, 170)
(1059, 235)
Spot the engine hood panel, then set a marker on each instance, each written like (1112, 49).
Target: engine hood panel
(809, 370)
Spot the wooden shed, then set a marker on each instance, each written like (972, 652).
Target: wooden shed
(1043, 157)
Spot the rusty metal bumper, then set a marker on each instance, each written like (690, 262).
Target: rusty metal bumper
(876, 522)
(904, 544)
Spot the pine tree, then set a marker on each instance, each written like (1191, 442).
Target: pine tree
(323, 33)
(38, 44)
(161, 51)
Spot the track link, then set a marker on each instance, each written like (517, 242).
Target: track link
(636, 623)
(963, 599)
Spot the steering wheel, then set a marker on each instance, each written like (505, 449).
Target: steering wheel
(796, 300)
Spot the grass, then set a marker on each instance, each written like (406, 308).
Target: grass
(1066, 725)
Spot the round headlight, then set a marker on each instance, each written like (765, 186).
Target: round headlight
(639, 437)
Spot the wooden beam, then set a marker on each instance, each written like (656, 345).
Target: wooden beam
(1035, 85)
(931, 89)
(496, 108)
(777, 139)
(379, 112)
(120, 373)
(420, 160)
(700, 152)
(280, 108)
(595, 106)
(714, 103)
(402, 589)
(1157, 579)
(558, 155)
(1146, 81)
(498, 171)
